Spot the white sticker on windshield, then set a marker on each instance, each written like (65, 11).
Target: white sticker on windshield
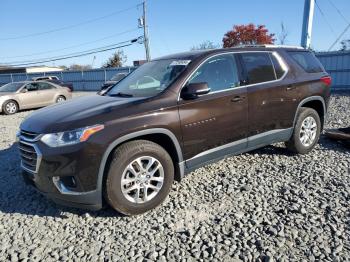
(180, 62)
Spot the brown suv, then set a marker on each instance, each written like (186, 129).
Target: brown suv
(169, 117)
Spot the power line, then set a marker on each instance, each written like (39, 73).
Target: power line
(73, 46)
(340, 36)
(70, 26)
(346, 28)
(339, 12)
(54, 57)
(325, 18)
(73, 56)
(92, 49)
(85, 53)
(70, 54)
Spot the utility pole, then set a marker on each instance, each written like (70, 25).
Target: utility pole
(145, 32)
(93, 61)
(309, 8)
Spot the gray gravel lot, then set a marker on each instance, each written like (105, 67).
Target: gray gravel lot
(265, 205)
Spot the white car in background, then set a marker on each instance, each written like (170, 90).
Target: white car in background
(31, 94)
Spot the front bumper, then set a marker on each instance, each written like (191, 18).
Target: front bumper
(85, 200)
(67, 175)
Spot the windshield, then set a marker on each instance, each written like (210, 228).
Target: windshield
(149, 79)
(11, 87)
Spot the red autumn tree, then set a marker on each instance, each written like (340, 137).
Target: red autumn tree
(248, 35)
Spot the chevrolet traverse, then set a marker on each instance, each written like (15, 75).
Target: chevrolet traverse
(169, 117)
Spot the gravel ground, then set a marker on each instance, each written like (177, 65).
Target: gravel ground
(265, 205)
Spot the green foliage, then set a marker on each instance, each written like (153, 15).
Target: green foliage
(205, 45)
(118, 59)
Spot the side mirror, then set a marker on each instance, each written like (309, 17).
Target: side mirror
(24, 90)
(192, 91)
(102, 92)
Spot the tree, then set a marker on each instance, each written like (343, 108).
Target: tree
(248, 35)
(117, 59)
(205, 45)
(77, 67)
(63, 67)
(283, 35)
(345, 45)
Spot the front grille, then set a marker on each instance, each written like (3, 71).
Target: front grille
(29, 156)
(29, 136)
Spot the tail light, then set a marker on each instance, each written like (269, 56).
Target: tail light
(327, 80)
(68, 89)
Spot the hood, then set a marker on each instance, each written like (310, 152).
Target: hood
(76, 113)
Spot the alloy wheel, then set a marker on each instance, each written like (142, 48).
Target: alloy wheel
(308, 131)
(142, 179)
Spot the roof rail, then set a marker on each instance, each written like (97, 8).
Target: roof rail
(270, 46)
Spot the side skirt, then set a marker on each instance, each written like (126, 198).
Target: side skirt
(237, 147)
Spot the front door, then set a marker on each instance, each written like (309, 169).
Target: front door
(215, 124)
(30, 98)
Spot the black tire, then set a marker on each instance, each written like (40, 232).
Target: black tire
(122, 157)
(60, 99)
(295, 144)
(10, 107)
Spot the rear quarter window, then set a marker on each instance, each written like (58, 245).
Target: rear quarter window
(280, 71)
(307, 61)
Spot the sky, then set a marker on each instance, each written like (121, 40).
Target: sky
(174, 26)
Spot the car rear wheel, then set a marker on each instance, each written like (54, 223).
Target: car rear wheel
(60, 99)
(10, 107)
(306, 131)
(139, 177)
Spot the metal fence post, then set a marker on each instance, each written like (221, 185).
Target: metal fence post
(82, 79)
(11, 78)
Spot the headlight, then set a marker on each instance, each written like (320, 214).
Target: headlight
(70, 137)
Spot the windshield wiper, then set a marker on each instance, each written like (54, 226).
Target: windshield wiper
(120, 94)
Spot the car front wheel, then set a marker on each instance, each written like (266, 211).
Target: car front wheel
(139, 178)
(10, 107)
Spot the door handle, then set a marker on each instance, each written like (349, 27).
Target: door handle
(290, 87)
(237, 99)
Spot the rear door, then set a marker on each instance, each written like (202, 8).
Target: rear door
(215, 124)
(272, 97)
(47, 93)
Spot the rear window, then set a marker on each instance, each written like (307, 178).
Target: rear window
(307, 61)
(259, 67)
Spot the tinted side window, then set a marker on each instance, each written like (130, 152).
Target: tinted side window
(220, 72)
(259, 67)
(278, 67)
(32, 87)
(45, 86)
(307, 61)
